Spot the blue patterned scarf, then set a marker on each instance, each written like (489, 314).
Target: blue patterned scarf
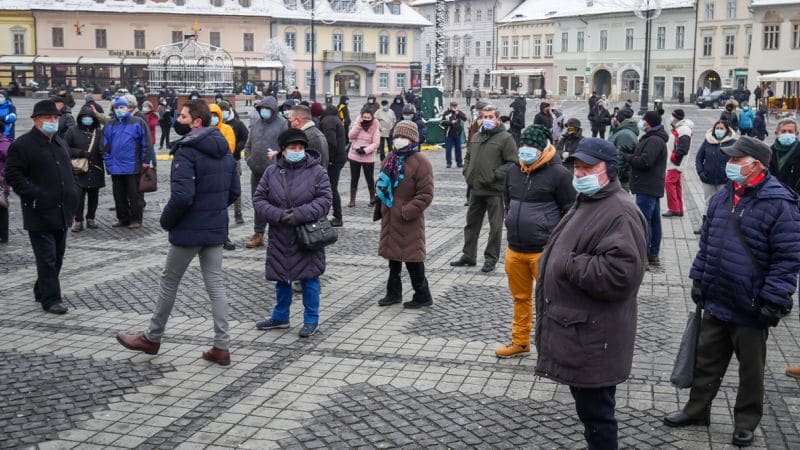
(392, 173)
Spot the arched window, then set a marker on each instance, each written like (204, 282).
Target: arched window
(630, 81)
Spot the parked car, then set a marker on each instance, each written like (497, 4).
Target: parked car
(714, 99)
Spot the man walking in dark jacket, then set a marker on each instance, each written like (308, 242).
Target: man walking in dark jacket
(453, 124)
(491, 154)
(648, 171)
(517, 116)
(335, 134)
(39, 170)
(589, 277)
(203, 184)
(538, 193)
(624, 135)
(744, 276)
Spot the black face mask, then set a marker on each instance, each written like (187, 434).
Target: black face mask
(366, 123)
(182, 129)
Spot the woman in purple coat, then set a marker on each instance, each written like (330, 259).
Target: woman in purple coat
(5, 143)
(293, 191)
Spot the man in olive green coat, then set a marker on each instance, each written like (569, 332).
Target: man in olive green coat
(492, 152)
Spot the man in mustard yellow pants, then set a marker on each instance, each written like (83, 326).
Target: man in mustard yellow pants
(537, 194)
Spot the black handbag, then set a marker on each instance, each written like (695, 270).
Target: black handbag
(314, 235)
(683, 371)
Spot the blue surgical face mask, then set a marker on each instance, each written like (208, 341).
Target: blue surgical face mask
(294, 157)
(49, 128)
(405, 117)
(120, 113)
(587, 185)
(719, 134)
(641, 125)
(734, 172)
(787, 138)
(226, 115)
(214, 120)
(745, 107)
(385, 107)
(266, 113)
(2, 100)
(489, 125)
(87, 121)
(528, 155)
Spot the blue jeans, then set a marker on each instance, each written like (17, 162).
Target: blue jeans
(650, 208)
(595, 408)
(449, 143)
(283, 294)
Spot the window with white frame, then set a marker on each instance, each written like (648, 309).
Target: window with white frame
(291, 78)
(579, 41)
(467, 45)
(489, 48)
(383, 80)
(58, 36)
(311, 42)
(707, 45)
(383, 43)
(400, 80)
(428, 51)
(138, 39)
(564, 42)
(730, 43)
(504, 48)
(537, 47)
(478, 15)
(680, 34)
(487, 80)
(708, 10)
(677, 88)
(629, 39)
(19, 42)
(358, 42)
(771, 35)
(248, 43)
(290, 39)
(659, 83)
(177, 36)
(749, 42)
(457, 15)
(394, 9)
(661, 38)
(378, 9)
(731, 9)
(456, 47)
(476, 79)
(100, 38)
(307, 76)
(515, 47)
(796, 36)
(401, 44)
(214, 38)
(467, 14)
(338, 42)
(477, 48)
(603, 39)
(548, 47)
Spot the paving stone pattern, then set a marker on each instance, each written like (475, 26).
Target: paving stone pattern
(371, 377)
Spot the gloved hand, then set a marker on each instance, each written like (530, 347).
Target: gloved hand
(769, 315)
(287, 218)
(697, 294)
(361, 151)
(11, 118)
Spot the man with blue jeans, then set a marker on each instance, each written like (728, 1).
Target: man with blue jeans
(648, 172)
(453, 124)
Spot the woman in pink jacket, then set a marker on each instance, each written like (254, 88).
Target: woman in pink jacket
(365, 135)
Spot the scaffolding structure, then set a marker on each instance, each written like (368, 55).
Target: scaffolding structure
(191, 66)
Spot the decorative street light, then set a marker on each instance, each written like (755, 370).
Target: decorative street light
(648, 10)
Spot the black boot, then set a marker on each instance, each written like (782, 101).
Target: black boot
(422, 296)
(394, 291)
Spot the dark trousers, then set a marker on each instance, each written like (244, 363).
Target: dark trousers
(334, 170)
(3, 224)
(479, 205)
(717, 343)
(387, 142)
(259, 223)
(48, 249)
(595, 409)
(416, 271)
(165, 130)
(93, 195)
(599, 131)
(651, 209)
(355, 173)
(128, 202)
(449, 144)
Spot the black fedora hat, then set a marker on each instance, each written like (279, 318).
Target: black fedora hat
(45, 108)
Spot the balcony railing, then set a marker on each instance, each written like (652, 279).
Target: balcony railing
(454, 60)
(331, 56)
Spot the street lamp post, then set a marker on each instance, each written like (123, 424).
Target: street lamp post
(646, 78)
(312, 89)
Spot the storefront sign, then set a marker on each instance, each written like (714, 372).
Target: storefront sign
(139, 53)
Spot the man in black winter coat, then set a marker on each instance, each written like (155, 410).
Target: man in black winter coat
(517, 117)
(648, 172)
(599, 118)
(544, 117)
(39, 170)
(335, 135)
(241, 133)
(453, 124)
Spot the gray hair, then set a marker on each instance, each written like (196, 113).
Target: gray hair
(301, 112)
(787, 121)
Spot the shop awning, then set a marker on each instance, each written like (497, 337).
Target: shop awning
(16, 59)
(256, 63)
(517, 72)
(792, 75)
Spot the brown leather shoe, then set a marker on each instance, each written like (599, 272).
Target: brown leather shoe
(793, 372)
(138, 342)
(256, 241)
(218, 355)
(134, 226)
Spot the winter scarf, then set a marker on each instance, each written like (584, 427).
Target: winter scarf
(547, 155)
(784, 153)
(392, 174)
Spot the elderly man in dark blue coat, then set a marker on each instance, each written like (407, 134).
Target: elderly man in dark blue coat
(744, 276)
(204, 182)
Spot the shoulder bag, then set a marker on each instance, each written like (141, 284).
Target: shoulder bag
(148, 180)
(316, 234)
(80, 166)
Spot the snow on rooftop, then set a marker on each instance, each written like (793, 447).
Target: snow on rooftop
(775, 2)
(276, 9)
(547, 9)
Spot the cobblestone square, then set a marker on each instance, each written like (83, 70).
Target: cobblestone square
(371, 377)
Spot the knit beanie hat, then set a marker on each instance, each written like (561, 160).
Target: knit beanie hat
(652, 118)
(678, 114)
(536, 136)
(624, 113)
(316, 109)
(224, 105)
(119, 101)
(406, 129)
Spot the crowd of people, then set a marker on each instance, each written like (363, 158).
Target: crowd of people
(582, 218)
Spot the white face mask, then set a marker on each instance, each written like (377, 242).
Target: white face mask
(400, 142)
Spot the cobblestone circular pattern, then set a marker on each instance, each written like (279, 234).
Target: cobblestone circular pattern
(362, 415)
(44, 394)
(470, 313)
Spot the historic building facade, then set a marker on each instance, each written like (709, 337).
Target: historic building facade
(776, 42)
(525, 51)
(724, 37)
